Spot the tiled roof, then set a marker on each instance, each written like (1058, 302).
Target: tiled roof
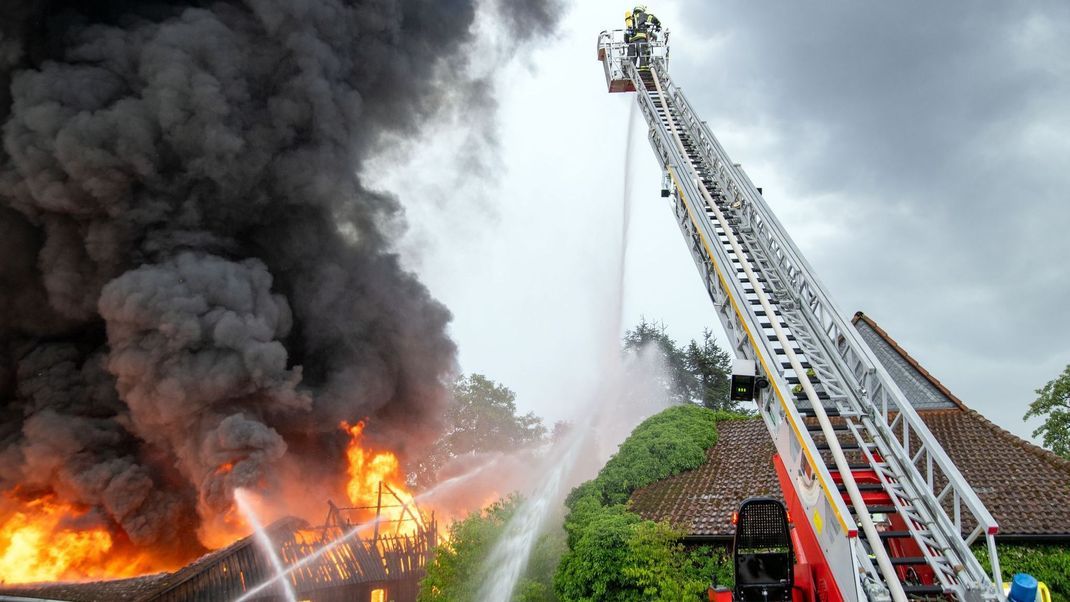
(922, 389)
(1026, 488)
(702, 501)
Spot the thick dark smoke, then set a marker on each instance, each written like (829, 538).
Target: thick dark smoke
(194, 284)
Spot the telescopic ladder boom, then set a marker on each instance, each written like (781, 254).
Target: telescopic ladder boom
(855, 452)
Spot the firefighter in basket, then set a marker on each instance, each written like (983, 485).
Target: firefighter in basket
(640, 27)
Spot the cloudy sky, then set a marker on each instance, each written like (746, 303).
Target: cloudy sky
(917, 152)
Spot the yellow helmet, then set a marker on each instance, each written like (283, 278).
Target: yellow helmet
(627, 14)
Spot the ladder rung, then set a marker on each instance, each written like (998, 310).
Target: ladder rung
(761, 312)
(772, 337)
(862, 466)
(863, 487)
(922, 590)
(823, 396)
(880, 509)
(810, 412)
(894, 534)
(824, 446)
(908, 560)
(838, 428)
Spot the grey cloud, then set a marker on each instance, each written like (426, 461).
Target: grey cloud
(938, 132)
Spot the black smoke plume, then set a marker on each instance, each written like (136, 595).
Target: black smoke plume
(194, 283)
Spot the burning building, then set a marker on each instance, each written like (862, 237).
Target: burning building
(374, 561)
(196, 286)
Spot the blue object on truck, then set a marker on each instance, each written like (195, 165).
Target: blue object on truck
(1023, 588)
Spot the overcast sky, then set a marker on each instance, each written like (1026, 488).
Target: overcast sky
(917, 152)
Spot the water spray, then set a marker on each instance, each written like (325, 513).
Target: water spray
(264, 541)
(510, 555)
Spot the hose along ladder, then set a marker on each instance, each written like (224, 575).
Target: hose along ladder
(854, 451)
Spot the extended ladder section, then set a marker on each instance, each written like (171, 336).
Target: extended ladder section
(889, 513)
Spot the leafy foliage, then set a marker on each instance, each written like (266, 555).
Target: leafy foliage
(1053, 402)
(613, 554)
(699, 372)
(481, 417)
(1048, 563)
(665, 444)
(712, 561)
(456, 572)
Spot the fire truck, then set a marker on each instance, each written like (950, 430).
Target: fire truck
(874, 508)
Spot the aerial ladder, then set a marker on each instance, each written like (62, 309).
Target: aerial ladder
(878, 509)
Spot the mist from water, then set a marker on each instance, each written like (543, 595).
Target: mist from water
(562, 468)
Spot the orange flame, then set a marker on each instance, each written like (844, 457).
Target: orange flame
(35, 545)
(47, 539)
(373, 474)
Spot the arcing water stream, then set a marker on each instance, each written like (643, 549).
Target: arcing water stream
(283, 574)
(509, 557)
(263, 541)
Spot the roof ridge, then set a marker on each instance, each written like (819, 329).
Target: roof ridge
(909, 359)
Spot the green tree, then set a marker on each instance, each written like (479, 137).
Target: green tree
(481, 416)
(1053, 403)
(680, 383)
(711, 367)
(698, 373)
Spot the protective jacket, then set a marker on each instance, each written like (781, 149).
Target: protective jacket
(640, 25)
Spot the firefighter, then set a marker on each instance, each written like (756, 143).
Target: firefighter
(644, 23)
(640, 26)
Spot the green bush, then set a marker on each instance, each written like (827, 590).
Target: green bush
(713, 563)
(613, 554)
(1048, 563)
(455, 574)
(665, 444)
